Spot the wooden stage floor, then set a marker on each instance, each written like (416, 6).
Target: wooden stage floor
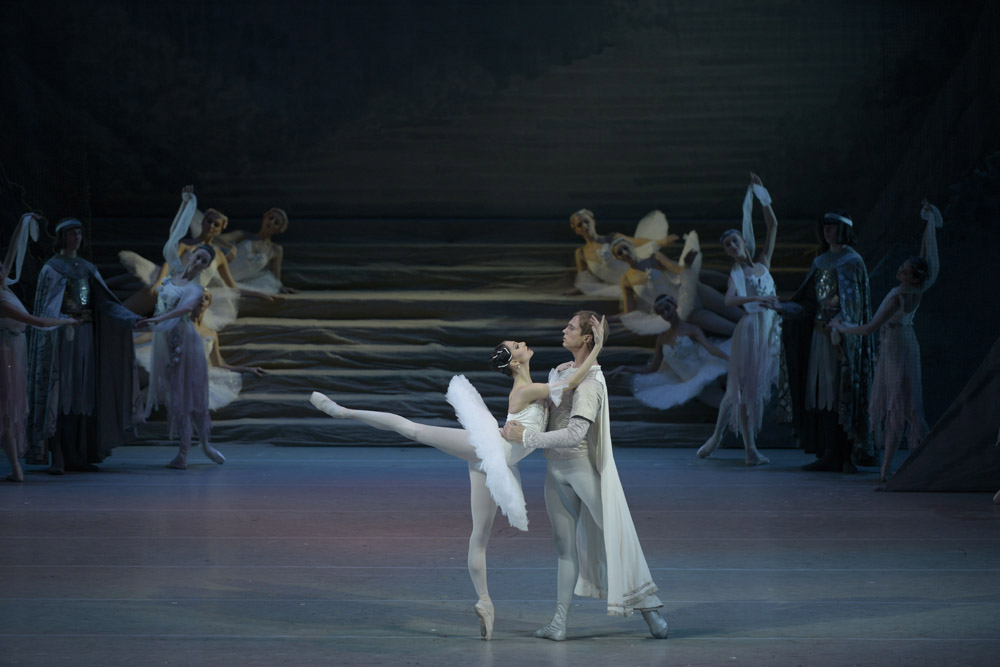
(356, 556)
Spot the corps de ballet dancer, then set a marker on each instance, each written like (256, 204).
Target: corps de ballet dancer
(897, 406)
(493, 476)
(598, 273)
(684, 364)
(254, 258)
(597, 547)
(178, 376)
(14, 320)
(755, 355)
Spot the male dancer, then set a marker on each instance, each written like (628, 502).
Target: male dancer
(583, 494)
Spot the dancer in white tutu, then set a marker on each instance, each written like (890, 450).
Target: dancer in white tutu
(897, 404)
(755, 359)
(598, 273)
(257, 261)
(683, 366)
(178, 376)
(657, 274)
(493, 475)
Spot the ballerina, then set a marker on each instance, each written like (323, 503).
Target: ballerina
(14, 320)
(897, 407)
(178, 375)
(756, 345)
(658, 274)
(257, 261)
(683, 365)
(598, 272)
(493, 475)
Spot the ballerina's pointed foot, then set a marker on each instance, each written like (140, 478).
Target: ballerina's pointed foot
(484, 610)
(756, 459)
(212, 453)
(706, 450)
(328, 405)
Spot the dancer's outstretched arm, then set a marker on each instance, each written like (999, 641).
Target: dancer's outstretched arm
(890, 304)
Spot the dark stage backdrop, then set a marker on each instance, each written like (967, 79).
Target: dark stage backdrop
(478, 110)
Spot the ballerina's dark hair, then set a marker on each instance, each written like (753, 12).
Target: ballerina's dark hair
(921, 269)
(500, 361)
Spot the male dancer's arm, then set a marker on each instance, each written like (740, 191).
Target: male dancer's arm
(586, 405)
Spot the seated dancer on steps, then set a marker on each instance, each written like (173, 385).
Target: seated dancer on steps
(178, 377)
(584, 496)
(683, 366)
(493, 475)
(598, 273)
(255, 259)
(755, 354)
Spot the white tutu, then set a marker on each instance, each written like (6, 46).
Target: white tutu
(493, 451)
(686, 370)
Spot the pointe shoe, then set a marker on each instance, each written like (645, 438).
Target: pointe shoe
(556, 629)
(179, 462)
(657, 624)
(328, 405)
(484, 610)
(12, 478)
(710, 446)
(212, 453)
(755, 458)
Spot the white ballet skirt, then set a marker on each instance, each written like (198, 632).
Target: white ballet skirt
(498, 457)
(897, 389)
(686, 370)
(224, 386)
(225, 300)
(13, 376)
(603, 275)
(250, 270)
(755, 354)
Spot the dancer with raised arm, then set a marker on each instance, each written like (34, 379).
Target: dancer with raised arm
(584, 496)
(755, 355)
(14, 320)
(897, 404)
(493, 475)
(683, 365)
(178, 376)
(257, 261)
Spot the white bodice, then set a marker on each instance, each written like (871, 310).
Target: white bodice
(762, 285)
(252, 257)
(533, 417)
(171, 294)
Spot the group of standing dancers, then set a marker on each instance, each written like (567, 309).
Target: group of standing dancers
(57, 408)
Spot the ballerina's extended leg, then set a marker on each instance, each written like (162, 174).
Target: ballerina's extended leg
(484, 510)
(454, 441)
